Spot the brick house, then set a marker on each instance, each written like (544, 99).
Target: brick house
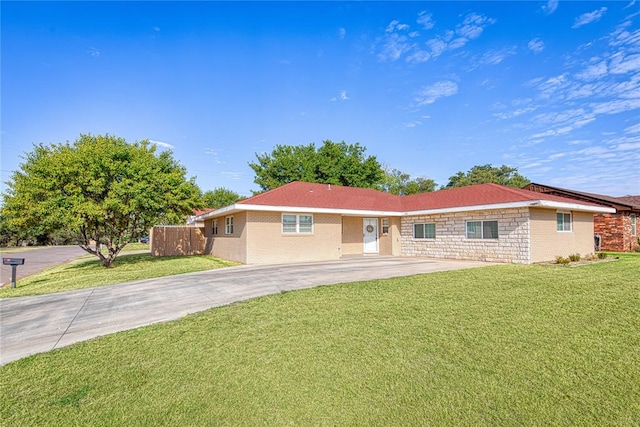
(302, 222)
(617, 231)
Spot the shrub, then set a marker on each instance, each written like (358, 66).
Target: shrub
(574, 257)
(602, 255)
(562, 260)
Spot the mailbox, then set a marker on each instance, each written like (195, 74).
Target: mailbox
(14, 263)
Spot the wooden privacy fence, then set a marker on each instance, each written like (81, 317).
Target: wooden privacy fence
(169, 240)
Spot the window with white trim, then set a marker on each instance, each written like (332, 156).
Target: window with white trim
(424, 231)
(385, 225)
(228, 225)
(563, 221)
(482, 229)
(297, 223)
(214, 227)
(634, 229)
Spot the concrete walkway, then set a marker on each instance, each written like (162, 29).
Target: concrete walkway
(30, 325)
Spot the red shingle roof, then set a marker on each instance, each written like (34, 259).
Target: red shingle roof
(309, 195)
(197, 212)
(624, 202)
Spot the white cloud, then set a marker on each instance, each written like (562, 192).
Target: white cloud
(395, 45)
(342, 96)
(621, 64)
(515, 113)
(398, 40)
(156, 29)
(430, 94)
(342, 33)
(94, 52)
(418, 57)
(437, 46)
(594, 71)
(232, 175)
(162, 144)
(633, 129)
(615, 106)
(473, 25)
(550, 7)
(589, 17)
(413, 124)
(494, 57)
(536, 45)
(395, 25)
(426, 20)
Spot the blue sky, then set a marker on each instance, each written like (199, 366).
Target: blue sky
(430, 88)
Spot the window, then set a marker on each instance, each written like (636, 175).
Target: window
(633, 225)
(215, 227)
(385, 225)
(482, 229)
(424, 231)
(563, 221)
(228, 225)
(294, 223)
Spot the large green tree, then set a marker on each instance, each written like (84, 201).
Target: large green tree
(401, 183)
(336, 163)
(107, 191)
(219, 198)
(483, 174)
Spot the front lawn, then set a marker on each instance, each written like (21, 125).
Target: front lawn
(88, 272)
(494, 346)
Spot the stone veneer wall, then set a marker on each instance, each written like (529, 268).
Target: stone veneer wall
(512, 245)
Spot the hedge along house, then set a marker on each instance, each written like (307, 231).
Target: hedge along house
(617, 231)
(301, 222)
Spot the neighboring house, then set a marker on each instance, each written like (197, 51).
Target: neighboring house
(191, 220)
(312, 222)
(616, 231)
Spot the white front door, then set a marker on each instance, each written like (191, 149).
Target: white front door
(370, 232)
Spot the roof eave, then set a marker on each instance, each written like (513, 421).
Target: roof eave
(238, 207)
(545, 204)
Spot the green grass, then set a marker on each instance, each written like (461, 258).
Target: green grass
(495, 346)
(88, 272)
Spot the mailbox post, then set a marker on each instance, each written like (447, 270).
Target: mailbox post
(14, 263)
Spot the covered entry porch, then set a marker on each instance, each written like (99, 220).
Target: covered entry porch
(370, 235)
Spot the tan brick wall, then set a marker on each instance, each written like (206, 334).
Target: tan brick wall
(232, 247)
(451, 242)
(268, 245)
(547, 243)
(352, 239)
(390, 243)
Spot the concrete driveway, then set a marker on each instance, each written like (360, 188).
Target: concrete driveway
(30, 325)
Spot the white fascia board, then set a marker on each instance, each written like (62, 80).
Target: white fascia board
(510, 205)
(226, 210)
(575, 206)
(547, 204)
